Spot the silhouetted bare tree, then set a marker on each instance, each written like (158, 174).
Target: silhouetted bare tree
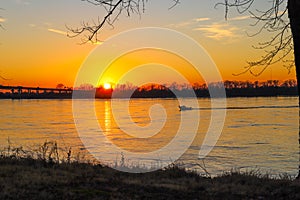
(274, 20)
(285, 34)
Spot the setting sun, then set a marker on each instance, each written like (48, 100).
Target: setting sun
(107, 86)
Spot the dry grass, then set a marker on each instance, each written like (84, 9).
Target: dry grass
(23, 176)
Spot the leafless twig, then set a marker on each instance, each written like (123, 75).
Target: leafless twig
(203, 167)
(113, 8)
(273, 20)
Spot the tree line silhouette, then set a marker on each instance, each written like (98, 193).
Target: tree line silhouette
(232, 88)
(173, 90)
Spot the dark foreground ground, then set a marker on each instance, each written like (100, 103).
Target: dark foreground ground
(36, 179)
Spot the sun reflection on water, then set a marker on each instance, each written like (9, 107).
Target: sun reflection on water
(107, 116)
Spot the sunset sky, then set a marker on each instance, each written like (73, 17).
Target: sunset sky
(35, 51)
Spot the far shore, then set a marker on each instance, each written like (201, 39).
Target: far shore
(231, 89)
(91, 95)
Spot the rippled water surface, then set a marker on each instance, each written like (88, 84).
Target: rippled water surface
(259, 133)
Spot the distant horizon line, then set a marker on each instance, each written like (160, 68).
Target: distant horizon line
(175, 85)
(90, 86)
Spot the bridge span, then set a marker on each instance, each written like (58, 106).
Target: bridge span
(20, 92)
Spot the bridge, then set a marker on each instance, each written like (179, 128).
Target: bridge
(18, 92)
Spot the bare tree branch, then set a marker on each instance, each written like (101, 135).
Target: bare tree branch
(176, 2)
(273, 20)
(113, 8)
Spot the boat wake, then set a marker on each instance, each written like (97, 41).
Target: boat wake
(183, 108)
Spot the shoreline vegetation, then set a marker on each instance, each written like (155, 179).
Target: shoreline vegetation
(86, 91)
(44, 174)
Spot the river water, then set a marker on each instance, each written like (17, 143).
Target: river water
(258, 133)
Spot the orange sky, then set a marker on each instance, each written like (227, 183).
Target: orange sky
(159, 66)
(35, 51)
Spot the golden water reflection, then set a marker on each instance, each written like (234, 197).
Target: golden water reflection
(107, 116)
(262, 138)
(139, 113)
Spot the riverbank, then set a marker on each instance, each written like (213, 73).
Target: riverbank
(27, 178)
